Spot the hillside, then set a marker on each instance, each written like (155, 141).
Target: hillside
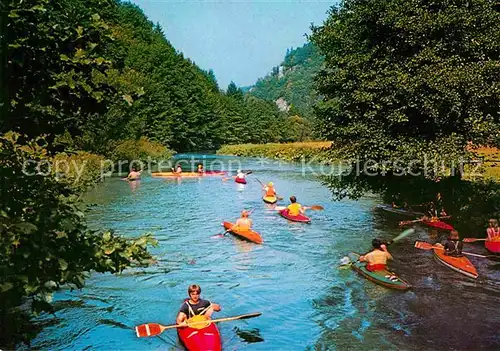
(292, 80)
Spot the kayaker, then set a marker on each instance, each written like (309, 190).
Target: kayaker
(134, 174)
(178, 170)
(294, 209)
(195, 306)
(240, 174)
(376, 260)
(269, 189)
(200, 169)
(453, 245)
(493, 230)
(243, 223)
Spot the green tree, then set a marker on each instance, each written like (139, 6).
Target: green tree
(402, 78)
(234, 92)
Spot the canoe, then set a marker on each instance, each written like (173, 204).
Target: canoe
(400, 211)
(240, 180)
(300, 218)
(439, 225)
(458, 264)
(249, 235)
(492, 246)
(187, 174)
(384, 277)
(203, 338)
(270, 199)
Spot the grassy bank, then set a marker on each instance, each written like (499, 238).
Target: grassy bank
(491, 157)
(288, 152)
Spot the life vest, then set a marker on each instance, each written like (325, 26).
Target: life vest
(270, 191)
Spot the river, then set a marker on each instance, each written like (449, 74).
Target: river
(307, 302)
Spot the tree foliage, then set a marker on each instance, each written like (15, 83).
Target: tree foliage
(44, 240)
(405, 77)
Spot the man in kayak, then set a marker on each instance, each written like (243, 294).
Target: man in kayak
(269, 189)
(453, 245)
(294, 209)
(200, 169)
(243, 223)
(195, 306)
(134, 174)
(240, 174)
(376, 260)
(493, 230)
(177, 171)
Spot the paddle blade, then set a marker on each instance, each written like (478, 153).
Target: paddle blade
(249, 315)
(149, 329)
(316, 207)
(423, 245)
(404, 234)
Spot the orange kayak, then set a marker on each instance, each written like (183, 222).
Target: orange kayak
(249, 235)
(458, 264)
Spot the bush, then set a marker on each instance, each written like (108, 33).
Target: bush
(141, 149)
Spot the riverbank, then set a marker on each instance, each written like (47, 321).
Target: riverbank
(317, 150)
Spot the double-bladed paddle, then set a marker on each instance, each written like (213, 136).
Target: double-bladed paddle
(313, 207)
(226, 178)
(263, 186)
(428, 246)
(153, 329)
(402, 223)
(471, 240)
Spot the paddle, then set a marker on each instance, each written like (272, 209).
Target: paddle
(346, 262)
(402, 223)
(226, 178)
(153, 329)
(428, 246)
(471, 240)
(313, 207)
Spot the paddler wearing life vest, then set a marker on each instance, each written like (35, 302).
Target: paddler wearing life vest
(493, 231)
(294, 209)
(243, 223)
(376, 260)
(195, 306)
(453, 245)
(269, 189)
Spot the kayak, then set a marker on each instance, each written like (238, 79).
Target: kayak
(202, 338)
(384, 277)
(187, 174)
(240, 180)
(270, 199)
(492, 246)
(389, 208)
(300, 218)
(458, 264)
(439, 225)
(249, 235)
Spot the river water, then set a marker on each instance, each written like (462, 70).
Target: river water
(307, 302)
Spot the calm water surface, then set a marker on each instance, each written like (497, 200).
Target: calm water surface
(307, 303)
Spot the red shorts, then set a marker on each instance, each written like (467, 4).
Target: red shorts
(376, 267)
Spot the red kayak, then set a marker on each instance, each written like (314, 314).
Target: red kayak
(492, 246)
(300, 218)
(240, 180)
(439, 225)
(202, 338)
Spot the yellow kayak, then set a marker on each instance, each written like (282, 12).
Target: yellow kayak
(270, 199)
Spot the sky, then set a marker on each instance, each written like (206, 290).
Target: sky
(240, 40)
